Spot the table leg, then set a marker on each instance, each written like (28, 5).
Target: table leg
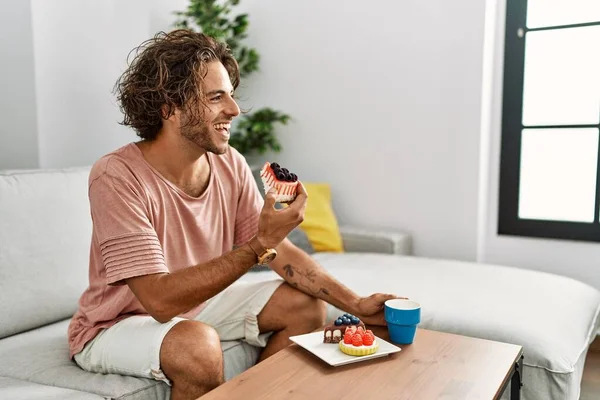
(517, 381)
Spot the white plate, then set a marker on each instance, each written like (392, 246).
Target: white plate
(331, 353)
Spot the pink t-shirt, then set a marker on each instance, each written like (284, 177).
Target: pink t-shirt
(144, 224)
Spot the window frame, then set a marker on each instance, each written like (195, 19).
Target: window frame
(509, 222)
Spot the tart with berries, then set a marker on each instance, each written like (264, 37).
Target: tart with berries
(285, 182)
(334, 332)
(358, 342)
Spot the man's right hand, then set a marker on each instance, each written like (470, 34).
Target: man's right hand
(274, 225)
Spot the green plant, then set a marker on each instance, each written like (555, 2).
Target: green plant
(254, 132)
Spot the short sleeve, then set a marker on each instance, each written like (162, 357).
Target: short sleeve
(128, 242)
(250, 204)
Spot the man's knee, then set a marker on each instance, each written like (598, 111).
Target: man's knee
(191, 352)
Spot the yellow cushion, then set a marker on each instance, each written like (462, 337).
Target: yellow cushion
(320, 224)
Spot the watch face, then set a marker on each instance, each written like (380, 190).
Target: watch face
(267, 258)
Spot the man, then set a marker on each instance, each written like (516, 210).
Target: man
(177, 219)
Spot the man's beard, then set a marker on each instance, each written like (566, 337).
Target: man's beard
(199, 134)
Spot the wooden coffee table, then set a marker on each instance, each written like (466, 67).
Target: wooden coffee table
(436, 366)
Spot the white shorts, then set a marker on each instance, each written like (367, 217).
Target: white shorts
(132, 346)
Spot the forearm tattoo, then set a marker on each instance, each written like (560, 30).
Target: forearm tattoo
(303, 280)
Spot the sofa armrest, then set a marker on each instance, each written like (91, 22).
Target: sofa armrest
(368, 240)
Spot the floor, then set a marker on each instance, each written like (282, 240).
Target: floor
(590, 385)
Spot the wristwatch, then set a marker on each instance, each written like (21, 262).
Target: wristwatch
(264, 255)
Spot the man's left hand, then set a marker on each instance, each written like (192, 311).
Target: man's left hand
(370, 309)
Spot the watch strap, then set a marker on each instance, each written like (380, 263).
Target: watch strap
(257, 247)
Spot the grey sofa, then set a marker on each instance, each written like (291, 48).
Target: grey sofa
(44, 244)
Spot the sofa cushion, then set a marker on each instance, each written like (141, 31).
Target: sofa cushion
(16, 389)
(45, 231)
(320, 222)
(41, 356)
(554, 318)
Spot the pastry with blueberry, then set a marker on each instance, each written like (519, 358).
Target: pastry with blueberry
(334, 332)
(284, 181)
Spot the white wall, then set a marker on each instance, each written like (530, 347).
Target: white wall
(18, 137)
(385, 98)
(578, 260)
(80, 50)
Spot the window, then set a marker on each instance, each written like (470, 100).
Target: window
(549, 164)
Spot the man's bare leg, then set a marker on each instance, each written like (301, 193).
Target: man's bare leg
(289, 312)
(192, 359)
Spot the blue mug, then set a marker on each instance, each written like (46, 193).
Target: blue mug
(402, 317)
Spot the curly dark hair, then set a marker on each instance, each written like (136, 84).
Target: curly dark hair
(166, 74)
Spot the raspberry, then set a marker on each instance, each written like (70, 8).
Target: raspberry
(357, 340)
(348, 333)
(348, 339)
(368, 340)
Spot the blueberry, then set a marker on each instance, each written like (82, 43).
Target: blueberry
(288, 177)
(280, 175)
(294, 177)
(338, 322)
(355, 321)
(346, 320)
(287, 171)
(275, 165)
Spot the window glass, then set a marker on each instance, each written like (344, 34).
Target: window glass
(558, 174)
(562, 77)
(541, 13)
